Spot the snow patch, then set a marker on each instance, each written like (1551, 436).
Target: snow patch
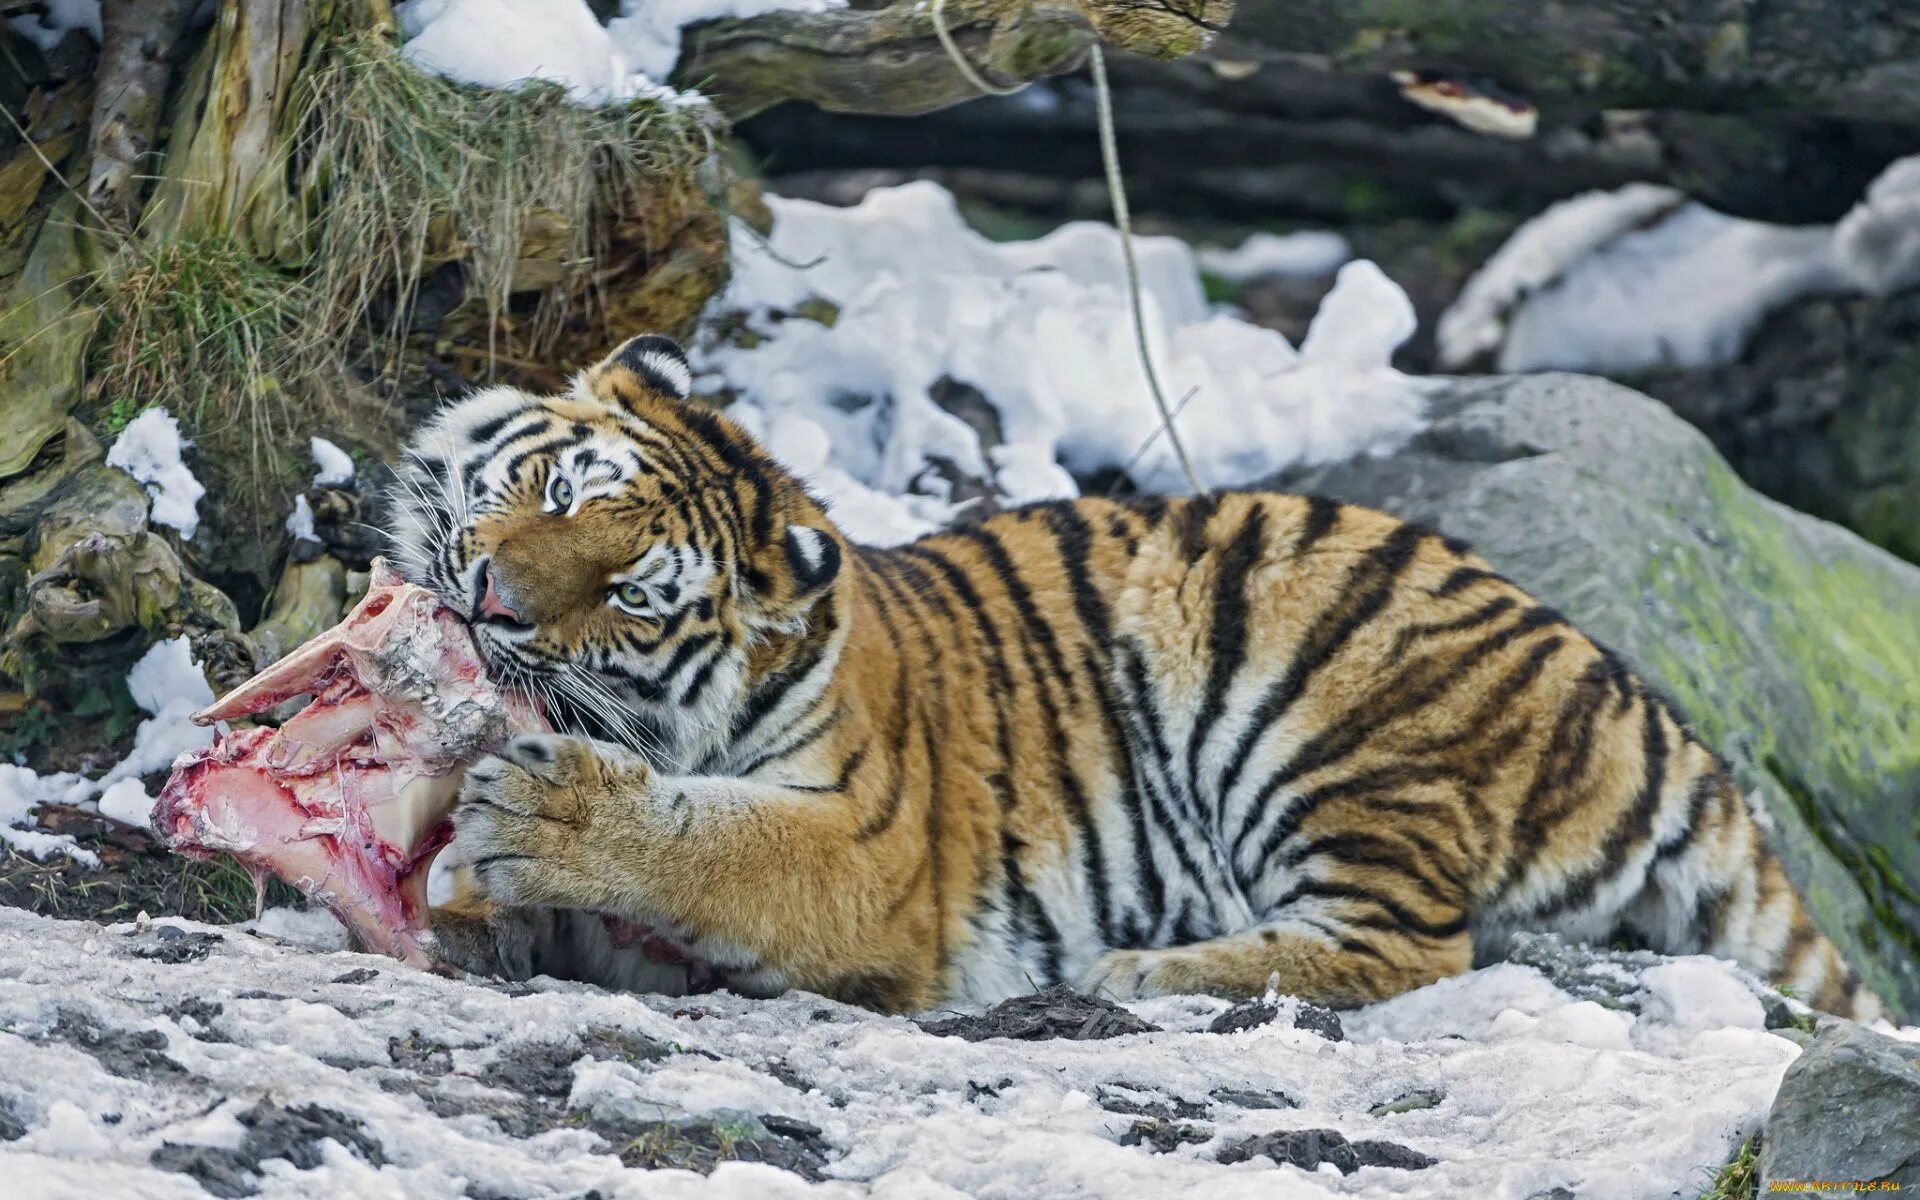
(1538, 253)
(1042, 330)
(45, 29)
(336, 465)
(300, 520)
(149, 450)
(508, 43)
(126, 801)
(1545, 1103)
(1638, 279)
(1265, 255)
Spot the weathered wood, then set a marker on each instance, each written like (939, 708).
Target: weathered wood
(1849, 59)
(139, 40)
(890, 60)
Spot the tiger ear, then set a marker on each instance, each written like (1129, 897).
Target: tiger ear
(649, 365)
(796, 570)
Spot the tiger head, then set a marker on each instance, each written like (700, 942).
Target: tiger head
(620, 553)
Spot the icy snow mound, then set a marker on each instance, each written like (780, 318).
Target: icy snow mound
(1266, 255)
(1042, 330)
(149, 449)
(1637, 279)
(124, 1041)
(507, 43)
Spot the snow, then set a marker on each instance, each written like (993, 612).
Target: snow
(167, 683)
(1638, 279)
(149, 450)
(506, 43)
(1263, 255)
(1879, 241)
(300, 520)
(1537, 254)
(1686, 292)
(45, 29)
(336, 465)
(21, 791)
(126, 801)
(1537, 1090)
(1042, 329)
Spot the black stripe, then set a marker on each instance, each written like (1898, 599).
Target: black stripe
(1565, 760)
(1228, 632)
(1190, 519)
(1035, 625)
(1073, 538)
(1404, 920)
(1322, 515)
(1372, 580)
(1486, 614)
(1705, 786)
(812, 735)
(1461, 579)
(1633, 827)
(840, 783)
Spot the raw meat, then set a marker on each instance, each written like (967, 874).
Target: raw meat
(348, 799)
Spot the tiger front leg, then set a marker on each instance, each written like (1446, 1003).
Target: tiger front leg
(776, 874)
(556, 822)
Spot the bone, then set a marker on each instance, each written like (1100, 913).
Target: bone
(348, 799)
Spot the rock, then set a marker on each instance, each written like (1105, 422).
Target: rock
(1819, 413)
(1056, 1012)
(1787, 641)
(1610, 978)
(1848, 1109)
(1308, 1148)
(295, 1134)
(311, 596)
(1161, 1136)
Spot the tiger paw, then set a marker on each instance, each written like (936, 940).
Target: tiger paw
(1144, 974)
(536, 822)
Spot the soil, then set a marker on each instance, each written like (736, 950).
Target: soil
(136, 874)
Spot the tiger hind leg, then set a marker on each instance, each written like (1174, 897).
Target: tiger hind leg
(1321, 960)
(1715, 888)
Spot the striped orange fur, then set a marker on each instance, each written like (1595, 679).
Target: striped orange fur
(1148, 747)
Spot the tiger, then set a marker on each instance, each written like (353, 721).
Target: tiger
(1224, 743)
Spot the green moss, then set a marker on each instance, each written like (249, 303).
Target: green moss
(1832, 762)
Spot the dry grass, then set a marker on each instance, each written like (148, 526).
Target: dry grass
(416, 171)
(221, 340)
(400, 172)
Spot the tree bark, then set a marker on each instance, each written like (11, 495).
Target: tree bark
(139, 40)
(1856, 60)
(890, 60)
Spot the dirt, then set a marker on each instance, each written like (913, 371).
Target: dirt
(1247, 1098)
(1309, 1148)
(135, 874)
(1116, 1100)
(1164, 1137)
(175, 946)
(293, 1133)
(1056, 1012)
(1250, 1014)
(122, 1052)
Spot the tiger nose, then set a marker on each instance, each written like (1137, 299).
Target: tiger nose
(491, 606)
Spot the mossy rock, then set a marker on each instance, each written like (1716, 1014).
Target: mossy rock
(1791, 645)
